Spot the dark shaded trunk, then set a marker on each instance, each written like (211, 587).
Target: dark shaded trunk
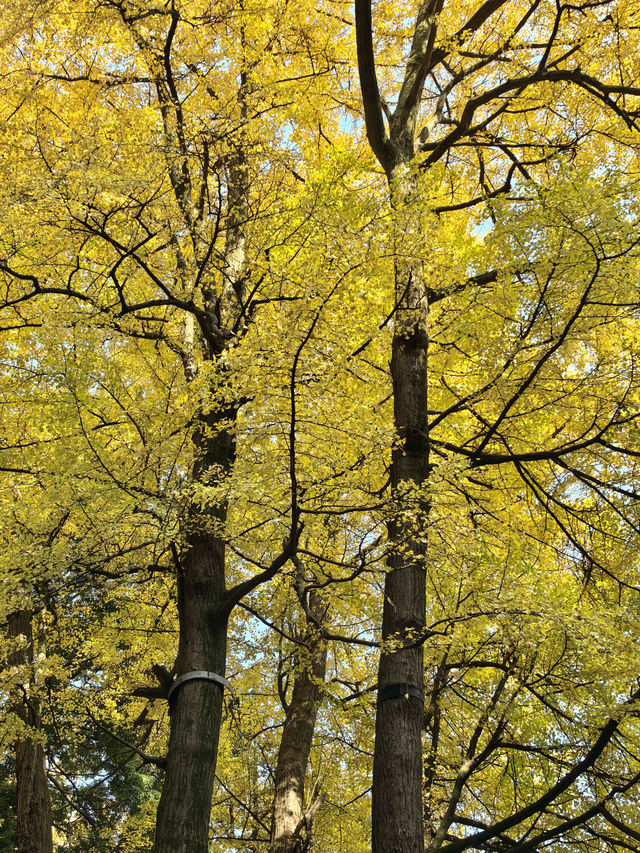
(184, 810)
(397, 764)
(33, 811)
(295, 745)
(196, 706)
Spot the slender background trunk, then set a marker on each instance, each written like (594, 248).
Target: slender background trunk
(295, 745)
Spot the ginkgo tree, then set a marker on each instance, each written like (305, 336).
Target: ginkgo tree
(161, 230)
(499, 102)
(205, 276)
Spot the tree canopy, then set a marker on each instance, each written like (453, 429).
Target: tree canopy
(319, 447)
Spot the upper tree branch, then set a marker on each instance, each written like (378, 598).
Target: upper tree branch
(474, 23)
(537, 806)
(376, 131)
(517, 85)
(159, 63)
(404, 117)
(534, 844)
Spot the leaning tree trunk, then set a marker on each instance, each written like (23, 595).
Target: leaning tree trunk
(397, 764)
(33, 812)
(289, 817)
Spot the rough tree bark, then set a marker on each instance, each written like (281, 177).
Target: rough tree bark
(196, 707)
(289, 817)
(397, 819)
(397, 763)
(33, 811)
(210, 287)
(397, 791)
(182, 821)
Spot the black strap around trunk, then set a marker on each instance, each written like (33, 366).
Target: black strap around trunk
(400, 689)
(199, 675)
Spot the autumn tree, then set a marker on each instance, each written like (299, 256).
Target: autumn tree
(204, 273)
(497, 101)
(147, 225)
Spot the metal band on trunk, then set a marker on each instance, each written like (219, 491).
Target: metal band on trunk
(200, 675)
(401, 688)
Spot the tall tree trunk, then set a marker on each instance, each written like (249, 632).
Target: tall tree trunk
(196, 706)
(184, 809)
(397, 763)
(33, 812)
(297, 736)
